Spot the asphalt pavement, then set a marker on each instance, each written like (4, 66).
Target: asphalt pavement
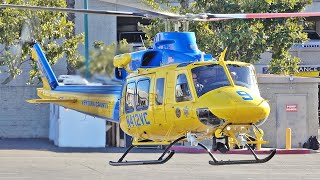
(40, 159)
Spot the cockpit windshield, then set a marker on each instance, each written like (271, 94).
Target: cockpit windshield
(242, 75)
(210, 77)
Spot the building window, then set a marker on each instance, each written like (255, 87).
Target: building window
(159, 91)
(143, 94)
(130, 94)
(182, 89)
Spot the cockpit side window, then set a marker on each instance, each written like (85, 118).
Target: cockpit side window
(182, 89)
(130, 95)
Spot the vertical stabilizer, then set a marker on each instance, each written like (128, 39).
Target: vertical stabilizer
(49, 80)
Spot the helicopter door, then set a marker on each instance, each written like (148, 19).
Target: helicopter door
(179, 108)
(159, 109)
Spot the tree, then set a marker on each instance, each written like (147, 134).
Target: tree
(101, 57)
(71, 69)
(247, 39)
(51, 30)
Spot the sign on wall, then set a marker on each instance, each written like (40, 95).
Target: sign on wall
(291, 107)
(301, 68)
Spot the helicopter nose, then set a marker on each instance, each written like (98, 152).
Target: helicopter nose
(237, 106)
(243, 112)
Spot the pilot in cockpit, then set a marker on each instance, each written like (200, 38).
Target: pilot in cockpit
(196, 83)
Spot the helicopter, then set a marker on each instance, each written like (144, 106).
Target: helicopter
(171, 92)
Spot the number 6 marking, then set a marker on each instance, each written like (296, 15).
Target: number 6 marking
(245, 96)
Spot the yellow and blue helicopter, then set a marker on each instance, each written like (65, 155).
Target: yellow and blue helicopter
(171, 92)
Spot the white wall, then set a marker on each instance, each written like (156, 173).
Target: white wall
(69, 128)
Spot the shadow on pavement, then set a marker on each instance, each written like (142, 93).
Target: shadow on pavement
(46, 145)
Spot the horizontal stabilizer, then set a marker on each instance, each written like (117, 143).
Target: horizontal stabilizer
(51, 100)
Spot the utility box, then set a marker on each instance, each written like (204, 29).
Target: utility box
(294, 104)
(69, 128)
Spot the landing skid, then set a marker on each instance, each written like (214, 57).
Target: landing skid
(160, 160)
(254, 161)
(164, 158)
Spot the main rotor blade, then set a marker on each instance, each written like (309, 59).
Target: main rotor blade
(215, 17)
(71, 10)
(136, 4)
(146, 14)
(139, 5)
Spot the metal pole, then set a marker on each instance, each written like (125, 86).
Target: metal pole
(86, 43)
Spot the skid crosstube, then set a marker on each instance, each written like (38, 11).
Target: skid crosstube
(160, 160)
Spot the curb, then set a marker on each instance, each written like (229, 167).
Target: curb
(183, 149)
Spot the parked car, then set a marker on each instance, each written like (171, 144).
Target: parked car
(313, 42)
(72, 80)
(104, 80)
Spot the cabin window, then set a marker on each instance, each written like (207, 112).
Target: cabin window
(130, 94)
(159, 91)
(143, 94)
(182, 89)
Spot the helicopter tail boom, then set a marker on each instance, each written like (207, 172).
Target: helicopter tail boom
(95, 100)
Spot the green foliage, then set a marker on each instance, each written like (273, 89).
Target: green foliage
(51, 30)
(285, 64)
(101, 57)
(157, 25)
(245, 39)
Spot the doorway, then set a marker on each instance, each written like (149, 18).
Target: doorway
(291, 113)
